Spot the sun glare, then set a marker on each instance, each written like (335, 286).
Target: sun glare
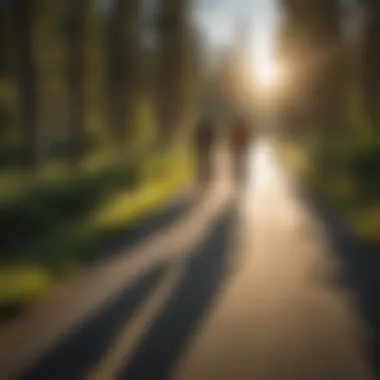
(265, 69)
(266, 72)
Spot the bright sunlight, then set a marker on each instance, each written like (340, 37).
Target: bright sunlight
(267, 73)
(265, 68)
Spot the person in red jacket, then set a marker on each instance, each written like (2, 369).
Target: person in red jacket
(204, 143)
(240, 140)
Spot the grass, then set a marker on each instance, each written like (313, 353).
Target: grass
(23, 283)
(294, 157)
(20, 286)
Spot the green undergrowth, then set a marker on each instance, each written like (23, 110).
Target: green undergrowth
(346, 174)
(54, 226)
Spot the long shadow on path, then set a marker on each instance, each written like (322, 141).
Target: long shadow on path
(360, 270)
(208, 268)
(126, 237)
(84, 347)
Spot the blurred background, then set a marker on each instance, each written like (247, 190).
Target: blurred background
(99, 100)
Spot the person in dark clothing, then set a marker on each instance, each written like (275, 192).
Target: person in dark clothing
(204, 141)
(240, 140)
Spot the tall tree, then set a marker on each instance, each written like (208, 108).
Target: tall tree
(24, 16)
(313, 46)
(5, 38)
(123, 63)
(371, 58)
(51, 52)
(78, 37)
(6, 70)
(194, 76)
(173, 32)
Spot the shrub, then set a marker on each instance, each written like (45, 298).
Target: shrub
(46, 206)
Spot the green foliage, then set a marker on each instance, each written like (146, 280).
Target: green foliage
(69, 222)
(19, 286)
(44, 207)
(61, 206)
(144, 128)
(346, 173)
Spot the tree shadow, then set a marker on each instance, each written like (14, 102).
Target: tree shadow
(119, 241)
(360, 269)
(208, 268)
(84, 347)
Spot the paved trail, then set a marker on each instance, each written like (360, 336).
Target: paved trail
(232, 290)
(282, 315)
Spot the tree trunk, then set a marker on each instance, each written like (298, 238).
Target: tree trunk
(23, 13)
(172, 30)
(6, 43)
(123, 65)
(77, 77)
(371, 61)
(312, 40)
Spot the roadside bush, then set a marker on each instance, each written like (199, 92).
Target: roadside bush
(46, 206)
